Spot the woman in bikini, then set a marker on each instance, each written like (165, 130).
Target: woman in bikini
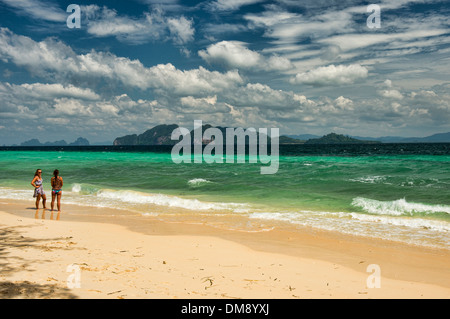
(57, 184)
(38, 188)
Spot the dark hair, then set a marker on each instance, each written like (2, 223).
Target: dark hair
(36, 173)
(55, 173)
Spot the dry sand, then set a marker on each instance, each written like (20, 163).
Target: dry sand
(41, 257)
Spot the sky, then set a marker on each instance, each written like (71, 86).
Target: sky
(310, 66)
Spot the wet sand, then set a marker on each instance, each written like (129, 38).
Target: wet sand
(118, 254)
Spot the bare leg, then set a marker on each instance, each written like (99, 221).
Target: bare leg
(59, 201)
(53, 200)
(44, 200)
(38, 199)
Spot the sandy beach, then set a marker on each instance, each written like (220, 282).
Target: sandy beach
(70, 255)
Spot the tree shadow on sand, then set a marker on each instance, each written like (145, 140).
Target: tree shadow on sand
(28, 290)
(12, 238)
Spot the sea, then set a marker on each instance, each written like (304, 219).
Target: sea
(395, 192)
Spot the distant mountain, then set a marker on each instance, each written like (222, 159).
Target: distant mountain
(289, 140)
(56, 143)
(159, 135)
(32, 142)
(303, 137)
(80, 142)
(435, 138)
(334, 138)
(35, 142)
(439, 137)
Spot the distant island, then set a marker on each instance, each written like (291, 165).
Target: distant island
(35, 142)
(161, 135)
(435, 138)
(334, 138)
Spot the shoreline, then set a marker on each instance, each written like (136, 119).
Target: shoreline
(406, 271)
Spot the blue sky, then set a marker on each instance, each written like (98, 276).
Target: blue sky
(310, 66)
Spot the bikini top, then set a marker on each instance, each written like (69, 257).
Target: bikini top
(56, 182)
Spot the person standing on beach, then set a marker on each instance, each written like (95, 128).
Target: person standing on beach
(39, 188)
(57, 184)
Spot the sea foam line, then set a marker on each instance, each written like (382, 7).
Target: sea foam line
(415, 231)
(195, 182)
(134, 197)
(112, 198)
(397, 207)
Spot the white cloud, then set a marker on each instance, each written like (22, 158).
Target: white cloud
(38, 10)
(344, 103)
(71, 107)
(211, 29)
(231, 5)
(231, 54)
(191, 82)
(354, 41)
(50, 91)
(37, 56)
(263, 97)
(54, 59)
(288, 28)
(191, 101)
(152, 26)
(235, 54)
(181, 29)
(207, 105)
(394, 94)
(332, 75)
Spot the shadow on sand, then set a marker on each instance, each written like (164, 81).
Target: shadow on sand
(11, 238)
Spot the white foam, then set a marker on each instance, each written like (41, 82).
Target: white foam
(76, 188)
(134, 197)
(368, 179)
(421, 223)
(11, 193)
(198, 182)
(417, 231)
(397, 207)
(114, 198)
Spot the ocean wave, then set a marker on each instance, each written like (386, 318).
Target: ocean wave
(82, 194)
(84, 189)
(418, 223)
(339, 220)
(134, 197)
(415, 231)
(196, 182)
(369, 179)
(11, 193)
(397, 207)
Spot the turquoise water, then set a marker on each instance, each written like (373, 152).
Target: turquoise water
(392, 196)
